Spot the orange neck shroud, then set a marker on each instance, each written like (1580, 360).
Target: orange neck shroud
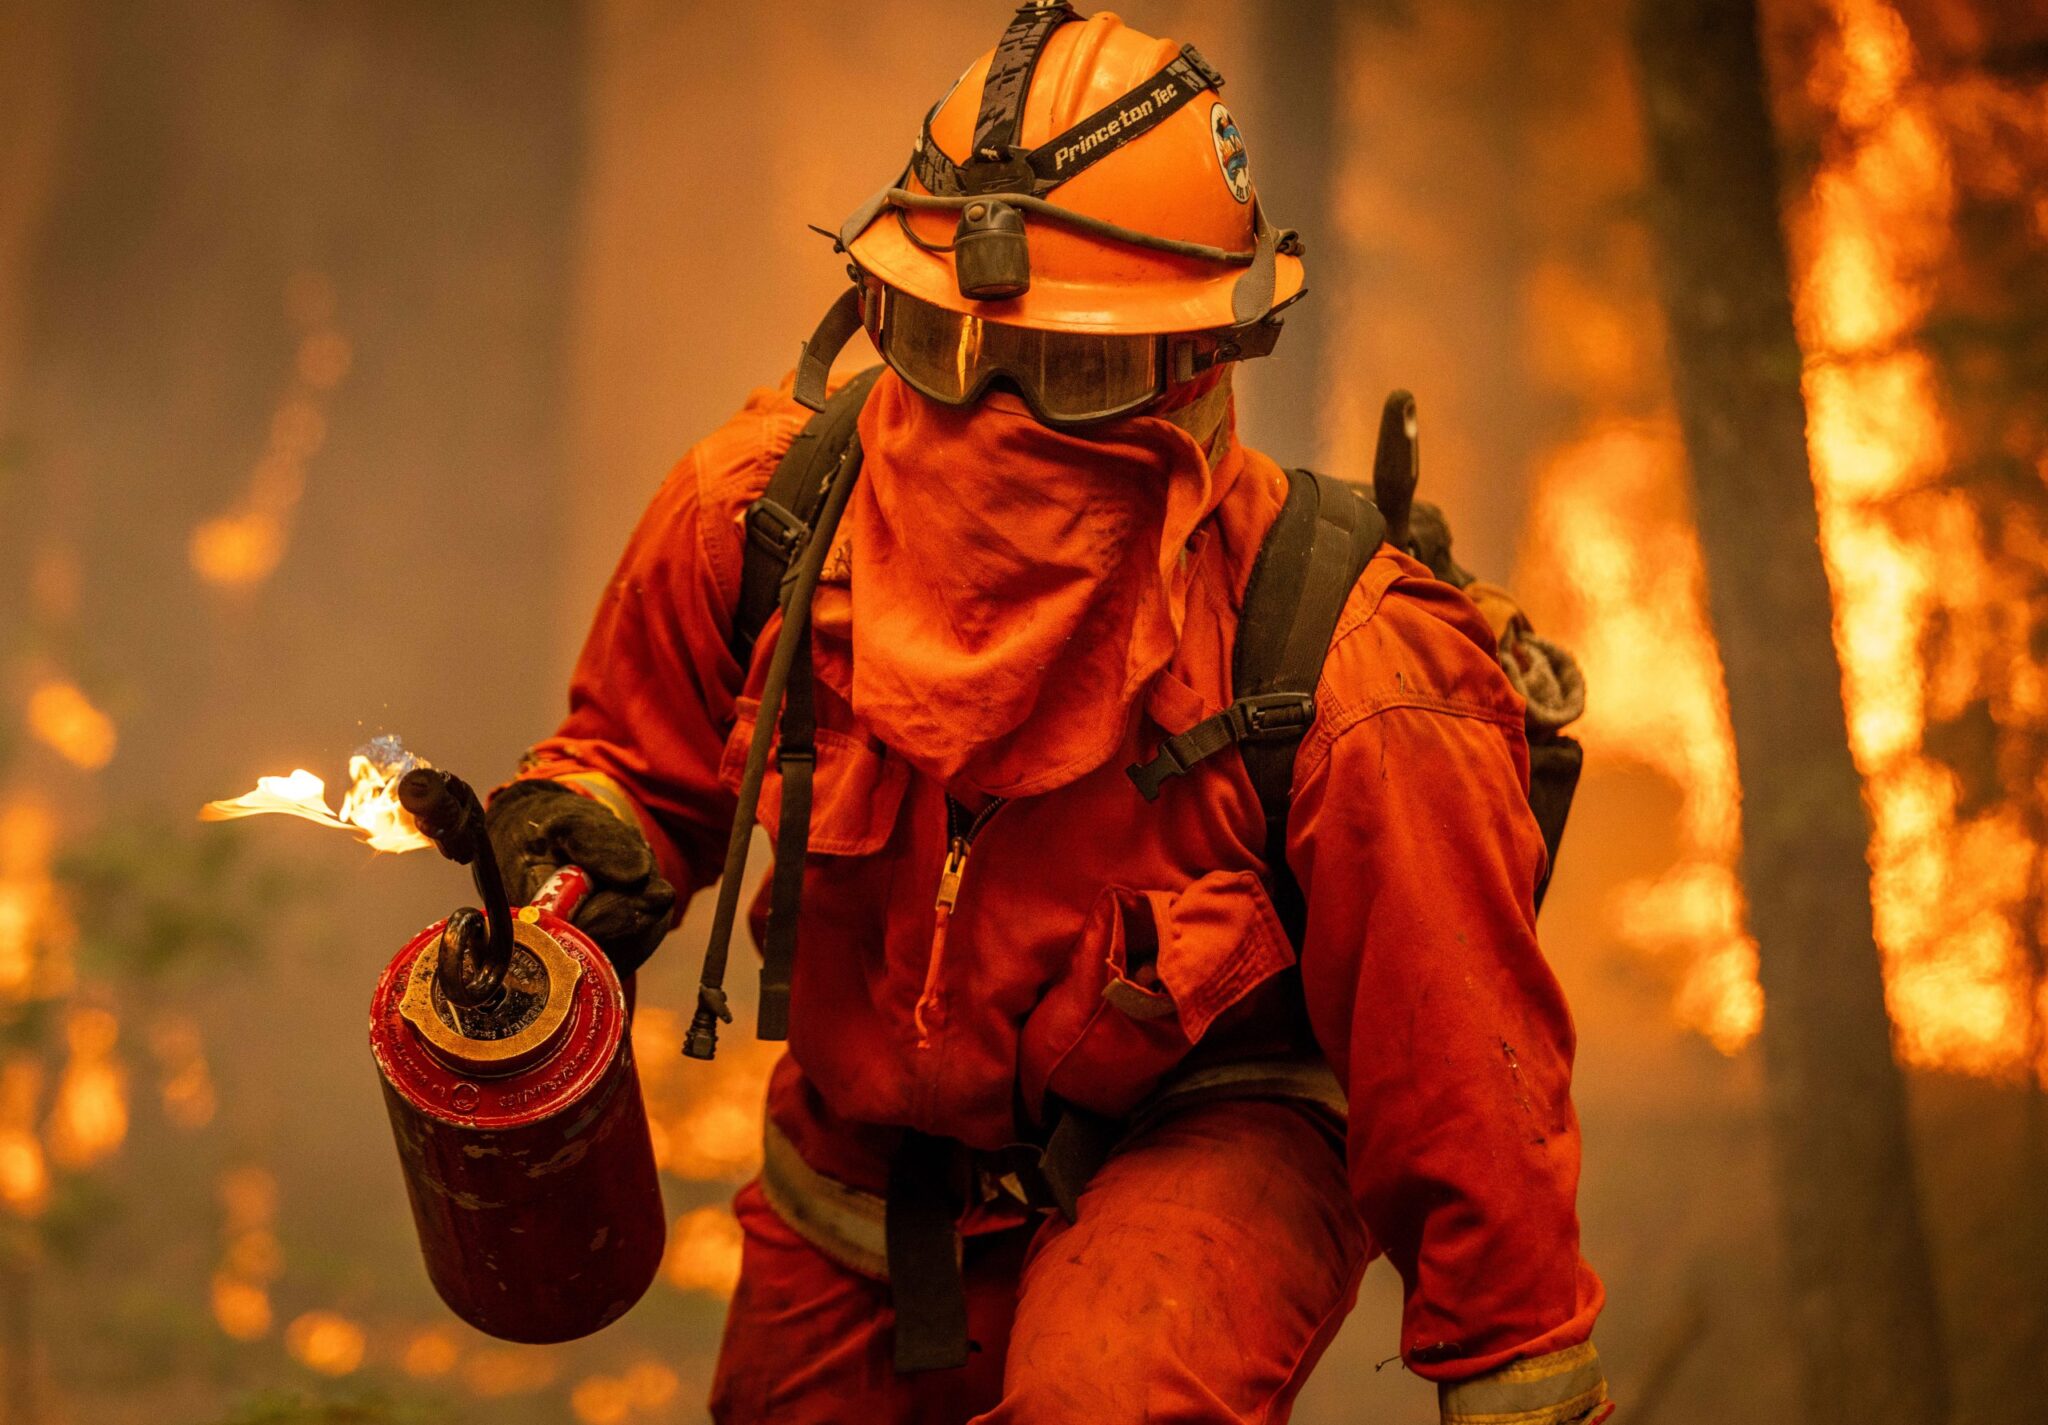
(1007, 592)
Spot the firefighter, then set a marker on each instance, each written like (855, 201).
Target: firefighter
(1097, 1101)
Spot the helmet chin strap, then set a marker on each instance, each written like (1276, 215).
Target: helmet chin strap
(814, 362)
(1207, 417)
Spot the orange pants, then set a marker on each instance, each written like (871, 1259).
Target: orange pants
(1212, 1261)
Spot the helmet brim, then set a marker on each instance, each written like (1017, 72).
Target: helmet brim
(1132, 293)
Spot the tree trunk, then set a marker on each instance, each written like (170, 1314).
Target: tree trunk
(1299, 48)
(1865, 1316)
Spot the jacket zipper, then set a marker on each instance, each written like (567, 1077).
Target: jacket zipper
(961, 829)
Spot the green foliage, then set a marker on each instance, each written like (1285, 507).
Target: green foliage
(80, 1206)
(153, 900)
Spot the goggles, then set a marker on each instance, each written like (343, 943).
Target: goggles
(1066, 378)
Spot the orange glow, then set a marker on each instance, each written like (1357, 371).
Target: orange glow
(704, 1252)
(1918, 625)
(90, 1117)
(1946, 884)
(64, 719)
(652, 1385)
(601, 1400)
(36, 933)
(187, 1088)
(24, 1174)
(325, 1342)
(1622, 557)
(251, 1257)
(248, 1197)
(241, 1309)
(706, 1119)
(244, 546)
(430, 1353)
(369, 809)
(510, 1370)
(237, 550)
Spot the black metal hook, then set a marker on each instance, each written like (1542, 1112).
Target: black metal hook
(476, 947)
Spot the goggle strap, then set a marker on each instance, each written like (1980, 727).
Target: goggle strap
(814, 363)
(1009, 76)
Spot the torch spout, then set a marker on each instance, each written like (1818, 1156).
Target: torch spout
(473, 956)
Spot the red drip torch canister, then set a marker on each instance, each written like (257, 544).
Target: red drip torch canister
(520, 1130)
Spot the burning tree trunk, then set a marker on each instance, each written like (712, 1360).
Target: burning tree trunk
(1865, 1313)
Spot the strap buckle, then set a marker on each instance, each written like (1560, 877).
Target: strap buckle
(776, 529)
(1268, 717)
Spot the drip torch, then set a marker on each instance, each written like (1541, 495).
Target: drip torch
(501, 1039)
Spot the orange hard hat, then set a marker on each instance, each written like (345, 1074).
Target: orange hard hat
(1077, 219)
(1093, 120)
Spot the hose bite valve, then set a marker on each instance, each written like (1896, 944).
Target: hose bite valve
(702, 1040)
(476, 946)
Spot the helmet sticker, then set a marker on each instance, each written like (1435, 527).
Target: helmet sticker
(1230, 152)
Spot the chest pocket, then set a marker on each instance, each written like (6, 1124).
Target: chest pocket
(1153, 970)
(855, 792)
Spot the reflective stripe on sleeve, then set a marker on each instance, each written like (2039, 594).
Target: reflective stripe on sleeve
(844, 1223)
(605, 792)
(1563, 1388)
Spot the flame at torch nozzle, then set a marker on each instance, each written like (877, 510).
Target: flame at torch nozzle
(370, 809)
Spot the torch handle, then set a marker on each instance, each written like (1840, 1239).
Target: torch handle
(563, 892)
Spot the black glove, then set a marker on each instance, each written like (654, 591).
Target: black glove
(538, 827)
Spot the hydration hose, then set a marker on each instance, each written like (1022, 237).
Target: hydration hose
(702, 1040)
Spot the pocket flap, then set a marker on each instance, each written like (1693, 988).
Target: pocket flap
(1219, 939)
(856, 789)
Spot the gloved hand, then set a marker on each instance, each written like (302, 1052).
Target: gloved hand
(538, 827)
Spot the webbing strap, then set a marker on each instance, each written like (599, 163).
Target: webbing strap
(1054, 1177)
(1009, 76)
(1253, 719)
(797, 758)
(1312, 555)
(814, 361)
(923, 1243)
(778, 524)
(1554, 765)
(1086, 143)
(1309, 576)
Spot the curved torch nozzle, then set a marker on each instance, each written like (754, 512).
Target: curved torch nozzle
(476, 947)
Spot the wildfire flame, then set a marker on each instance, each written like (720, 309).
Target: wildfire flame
(1923, 591)
(1948, 881)
(369, 809)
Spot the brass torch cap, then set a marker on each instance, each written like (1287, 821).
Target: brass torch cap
(528, 1017)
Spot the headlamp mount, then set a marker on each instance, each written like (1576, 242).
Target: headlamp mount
(991, 260)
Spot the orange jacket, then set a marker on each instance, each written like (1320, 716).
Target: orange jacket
(1410, 836)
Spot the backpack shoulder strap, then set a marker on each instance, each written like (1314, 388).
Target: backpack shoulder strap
(779, 522)
(1305, 571)
(1317, 547)
(1312, 556)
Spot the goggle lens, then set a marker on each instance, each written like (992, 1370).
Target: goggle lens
(1067, 378)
